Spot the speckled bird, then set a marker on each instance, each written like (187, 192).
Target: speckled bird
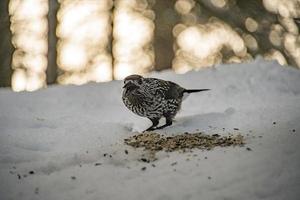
(154, 98)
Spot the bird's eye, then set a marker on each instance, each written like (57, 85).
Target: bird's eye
(140, 81)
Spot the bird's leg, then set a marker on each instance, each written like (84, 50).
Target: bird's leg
(168, 123)
(155, 122)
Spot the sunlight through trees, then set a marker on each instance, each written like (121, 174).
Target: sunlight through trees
(78, 41)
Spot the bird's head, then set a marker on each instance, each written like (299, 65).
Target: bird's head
(133, 82)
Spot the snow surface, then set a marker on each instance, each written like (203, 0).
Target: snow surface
(61, 132)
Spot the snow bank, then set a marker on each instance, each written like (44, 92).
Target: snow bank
(66, 142)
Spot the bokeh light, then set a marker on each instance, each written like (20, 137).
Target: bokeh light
(287, 8)
(102, 40)
(219, 3)
(292, 46)
(274, 54)
(29, 28)
(250, 42)
(133, 35)
(205, 41)
(251, 24)
(201, 45)
(83, 31)
(184, 6)
(276, 35)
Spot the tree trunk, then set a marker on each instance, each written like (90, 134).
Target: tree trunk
(52, 41)
(165, 19)
(111, 39)
(6, 47)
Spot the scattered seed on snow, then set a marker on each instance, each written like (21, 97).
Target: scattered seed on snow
(155, 142)
(145, 160)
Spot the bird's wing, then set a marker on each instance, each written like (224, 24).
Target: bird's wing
(174, 91)
(165, 89)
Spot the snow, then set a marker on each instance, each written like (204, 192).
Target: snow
(63, 131)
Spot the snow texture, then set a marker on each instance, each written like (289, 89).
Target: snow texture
(66, 142)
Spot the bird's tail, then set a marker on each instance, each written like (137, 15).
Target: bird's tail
(196, 90)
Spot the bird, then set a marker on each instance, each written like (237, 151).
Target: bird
(154, 98)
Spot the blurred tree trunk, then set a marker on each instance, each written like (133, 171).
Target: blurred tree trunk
(6, 47)
(165, 19)
(111, 39)
(52, 41)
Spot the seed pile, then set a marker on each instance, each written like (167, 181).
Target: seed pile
(155, 142)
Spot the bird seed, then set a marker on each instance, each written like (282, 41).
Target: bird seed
(155, 142)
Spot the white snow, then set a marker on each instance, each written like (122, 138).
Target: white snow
(62, 131)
